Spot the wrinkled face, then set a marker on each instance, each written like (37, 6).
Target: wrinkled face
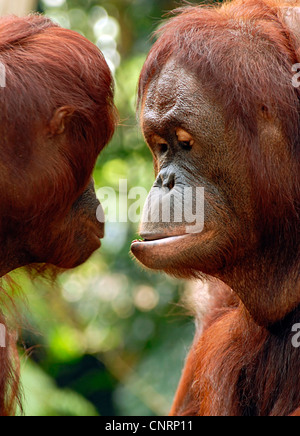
(185, 129)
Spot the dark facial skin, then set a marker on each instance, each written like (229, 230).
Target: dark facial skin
(185, 129)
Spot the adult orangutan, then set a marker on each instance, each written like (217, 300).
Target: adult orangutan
(56, 115)
(220, 109)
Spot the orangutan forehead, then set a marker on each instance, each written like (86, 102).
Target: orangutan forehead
(176, 95)
(172, 87)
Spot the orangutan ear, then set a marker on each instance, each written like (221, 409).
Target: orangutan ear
(291, 18)
(60, 119)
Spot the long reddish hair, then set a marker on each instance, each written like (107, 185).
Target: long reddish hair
(47, 67)
(243, 52)
(244, 67)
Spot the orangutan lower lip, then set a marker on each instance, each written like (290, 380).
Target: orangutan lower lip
(159, 240)
(159, 253)
(152, 238)
(99, 233)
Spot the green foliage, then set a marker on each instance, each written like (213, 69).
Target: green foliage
(111, 337)
(44, 398)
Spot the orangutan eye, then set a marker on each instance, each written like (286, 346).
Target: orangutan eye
(186, 141)
(163, 148)
(186, 145)
(160, 145)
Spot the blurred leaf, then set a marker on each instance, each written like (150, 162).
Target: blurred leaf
(43, 398)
